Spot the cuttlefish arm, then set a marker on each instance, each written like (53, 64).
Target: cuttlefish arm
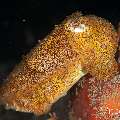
(80, 44)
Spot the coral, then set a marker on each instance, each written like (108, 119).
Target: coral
(97, 100)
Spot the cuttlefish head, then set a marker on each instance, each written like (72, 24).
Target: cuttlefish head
(95, 39)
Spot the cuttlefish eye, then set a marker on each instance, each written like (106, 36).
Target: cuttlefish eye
(75, 25)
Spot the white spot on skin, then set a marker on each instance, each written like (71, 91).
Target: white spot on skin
(80, 28)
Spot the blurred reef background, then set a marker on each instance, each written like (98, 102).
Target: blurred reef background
(24, 22)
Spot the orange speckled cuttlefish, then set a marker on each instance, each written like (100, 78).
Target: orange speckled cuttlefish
(79, 45)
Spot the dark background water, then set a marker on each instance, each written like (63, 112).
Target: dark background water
(24, 22)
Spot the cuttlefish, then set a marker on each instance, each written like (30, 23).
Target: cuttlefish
(80, 44)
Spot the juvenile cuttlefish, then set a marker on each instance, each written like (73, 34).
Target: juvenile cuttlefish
(79, 45)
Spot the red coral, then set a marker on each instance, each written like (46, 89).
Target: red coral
(98, 100)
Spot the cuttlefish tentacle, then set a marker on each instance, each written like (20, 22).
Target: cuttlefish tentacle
(80, 44)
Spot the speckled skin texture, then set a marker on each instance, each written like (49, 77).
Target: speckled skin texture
(97, 100)
(56, 64)
(97, 45)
